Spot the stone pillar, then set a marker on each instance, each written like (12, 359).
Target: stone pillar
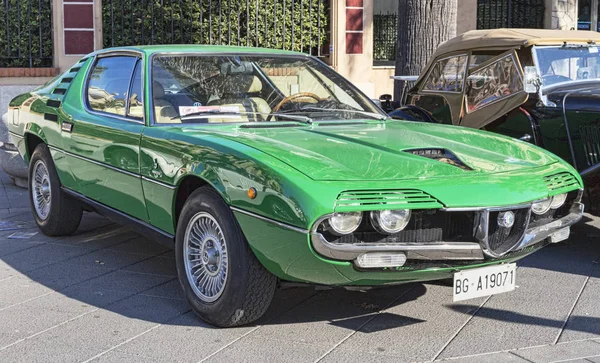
(466, 18)
(561, 14)
(77, 30)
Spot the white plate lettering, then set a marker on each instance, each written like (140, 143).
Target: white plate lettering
(470, 284)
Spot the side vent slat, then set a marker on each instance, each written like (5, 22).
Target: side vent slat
(74, 69)
(50, 117)
(53, 103)
(361, 200)
(67, 80)
(59, 91)
(561, 181)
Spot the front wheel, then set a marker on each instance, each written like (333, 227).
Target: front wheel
(221, 278)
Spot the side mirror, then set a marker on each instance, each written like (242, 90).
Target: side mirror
(532, 80)
(385, 97)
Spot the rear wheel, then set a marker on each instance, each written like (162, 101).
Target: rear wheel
(221, 278)
(55, 213)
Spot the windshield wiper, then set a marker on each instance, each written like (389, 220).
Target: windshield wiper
(297, 118)
(377, 116)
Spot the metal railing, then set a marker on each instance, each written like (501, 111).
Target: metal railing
(26, 33)
(385, 32)
(510, 14)
(301, 25)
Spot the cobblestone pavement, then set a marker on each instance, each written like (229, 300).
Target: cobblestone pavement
(106, 294)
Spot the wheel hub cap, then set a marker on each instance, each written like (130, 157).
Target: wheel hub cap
(205, 256)
(41, 190)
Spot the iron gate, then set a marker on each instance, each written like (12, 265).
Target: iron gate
(26, 33)
(510, 14)
(300, 25)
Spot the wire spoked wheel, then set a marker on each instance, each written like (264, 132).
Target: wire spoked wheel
(220, 276)
(55, 213)
(41, 190)
(206, 260)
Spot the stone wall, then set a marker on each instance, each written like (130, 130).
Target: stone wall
(563, 14)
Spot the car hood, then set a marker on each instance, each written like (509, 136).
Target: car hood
(378, 151)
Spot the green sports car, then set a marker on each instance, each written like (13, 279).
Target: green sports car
(265, 167)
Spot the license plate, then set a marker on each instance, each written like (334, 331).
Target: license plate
(485, 281)
(560, 235)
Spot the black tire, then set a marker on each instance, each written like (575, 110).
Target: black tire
(248, 288)
(65, 213)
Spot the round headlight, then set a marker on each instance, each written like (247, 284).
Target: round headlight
(558, 200)
(344, 223)
(542, 206)
(390, 221)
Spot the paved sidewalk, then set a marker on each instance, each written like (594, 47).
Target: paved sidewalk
(107, 294)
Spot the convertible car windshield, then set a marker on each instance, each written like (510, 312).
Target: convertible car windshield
(217, 89)
(560, 64)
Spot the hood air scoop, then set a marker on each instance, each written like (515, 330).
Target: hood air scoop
(441, 155)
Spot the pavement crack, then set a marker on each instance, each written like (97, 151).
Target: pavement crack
(461, 328)
(564, 325)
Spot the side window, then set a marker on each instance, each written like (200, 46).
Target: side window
(447, 75)
(136, 96)
(108, 84)
(493, 82)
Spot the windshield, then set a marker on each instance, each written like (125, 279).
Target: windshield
(568, 63)
(219, 89)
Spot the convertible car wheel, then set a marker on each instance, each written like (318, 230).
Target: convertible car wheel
(221, 277)
(56, 214)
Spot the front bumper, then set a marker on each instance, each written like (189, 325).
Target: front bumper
(288, 253)
(448, 251)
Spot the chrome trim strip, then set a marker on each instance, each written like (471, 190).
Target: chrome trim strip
(423, 251)
(16, 135)
(491, 209)
(280, 224)
(159, 183)
(94, 162)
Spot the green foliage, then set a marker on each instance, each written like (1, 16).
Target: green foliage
(27, 24)
(255, 23)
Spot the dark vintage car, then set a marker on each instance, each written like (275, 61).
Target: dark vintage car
(541, 86)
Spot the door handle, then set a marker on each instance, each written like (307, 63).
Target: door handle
(66, 126)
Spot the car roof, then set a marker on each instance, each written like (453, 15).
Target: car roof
(511, 38)
(194, 48)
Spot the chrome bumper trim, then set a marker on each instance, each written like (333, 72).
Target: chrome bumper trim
(537, 234)
(431, 251)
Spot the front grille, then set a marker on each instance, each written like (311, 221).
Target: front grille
(502, 239)
(560, 181)
(356, 200)
(425, 226)
(590, 138)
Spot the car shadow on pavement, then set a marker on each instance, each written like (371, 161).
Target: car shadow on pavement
(107, 270)
(346, 309)
(579, 255)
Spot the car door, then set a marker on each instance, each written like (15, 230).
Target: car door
(103, 140)
(493, 89)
